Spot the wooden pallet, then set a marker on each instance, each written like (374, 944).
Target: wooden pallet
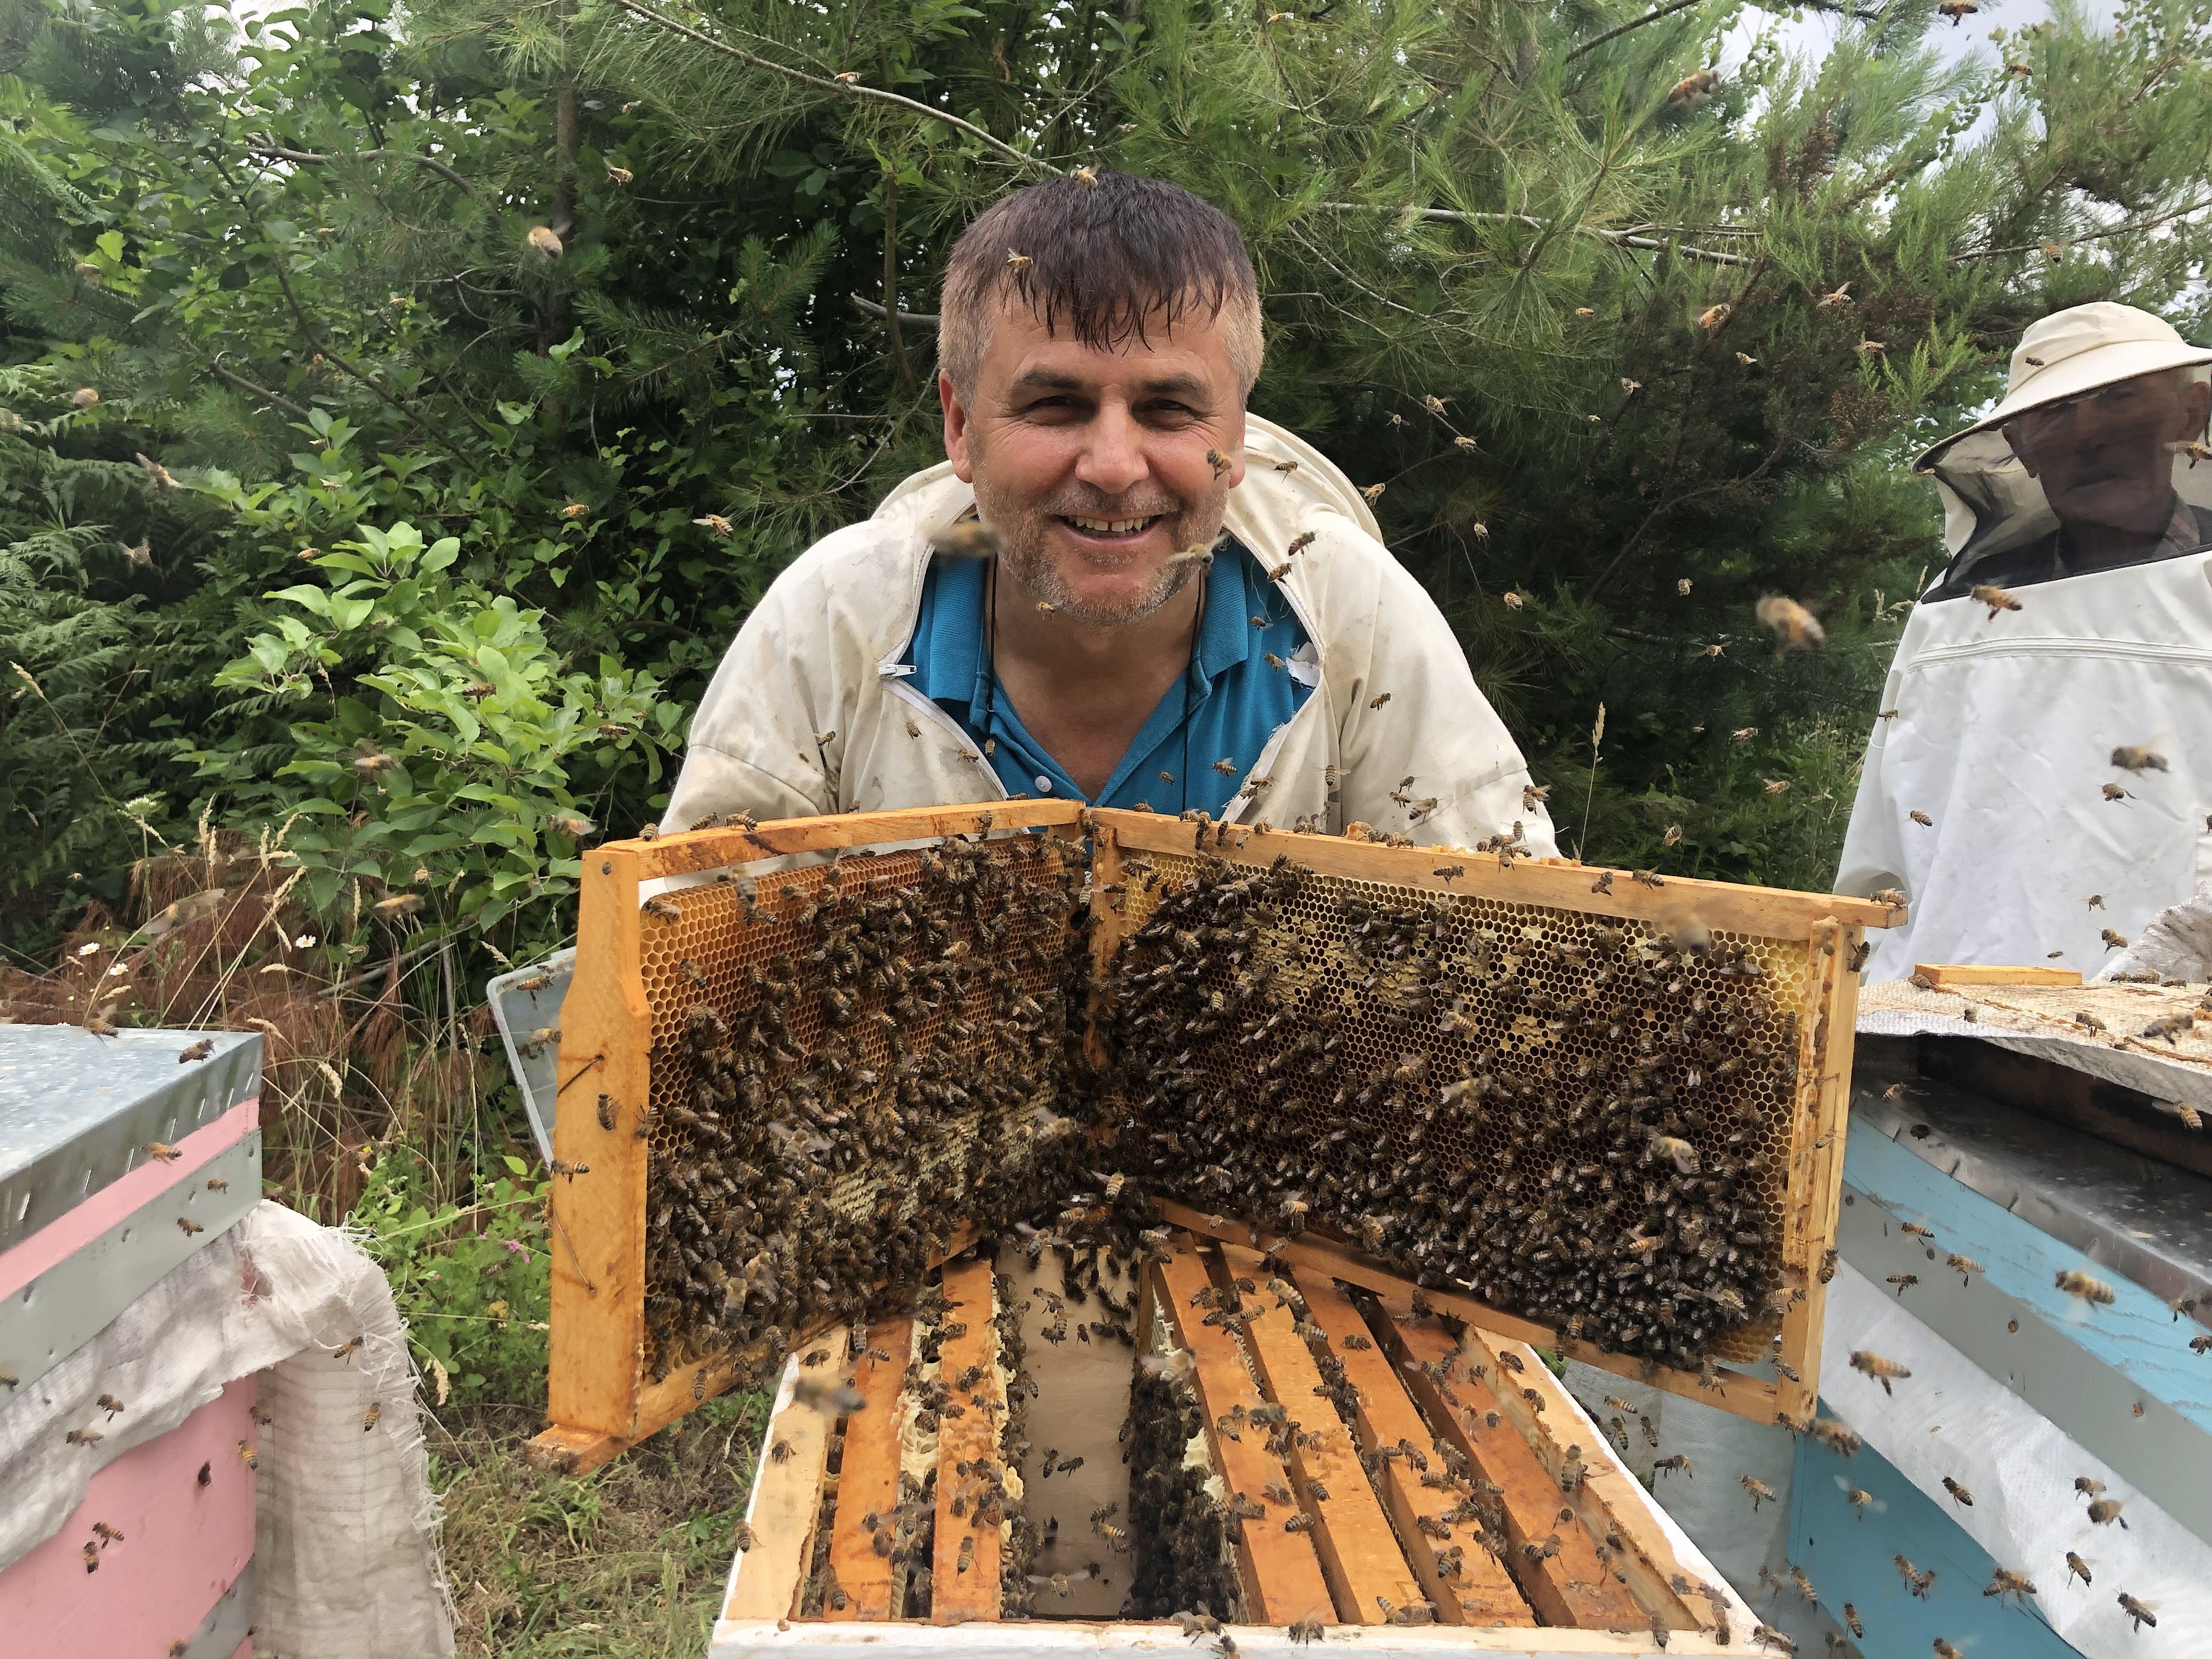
(601, 1398)
(1606, 1570)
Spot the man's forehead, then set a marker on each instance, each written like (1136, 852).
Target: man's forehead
(1191, 354)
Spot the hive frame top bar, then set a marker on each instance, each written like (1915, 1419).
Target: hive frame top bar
(1772, 912)
(698, 850)
(1769, 911)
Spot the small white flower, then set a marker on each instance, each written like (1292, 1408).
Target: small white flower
(89, 948)
(304, 941)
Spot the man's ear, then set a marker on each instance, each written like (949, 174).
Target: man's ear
(2195, 409)
(959, 429)
(1236, 440)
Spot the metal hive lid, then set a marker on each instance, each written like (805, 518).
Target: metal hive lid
(76, 1111)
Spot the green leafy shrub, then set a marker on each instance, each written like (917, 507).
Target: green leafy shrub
(472, 1282)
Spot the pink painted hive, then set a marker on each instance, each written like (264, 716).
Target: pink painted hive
(120, 1159)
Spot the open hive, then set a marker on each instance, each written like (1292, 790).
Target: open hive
(1248, 1447)
(1597, 1112)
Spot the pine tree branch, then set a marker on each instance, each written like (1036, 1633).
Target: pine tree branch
(1618, 238)
(920, 318)
(1615, 35)
(308, 158)
(2092, 236)
(843, 88)
(274, 400)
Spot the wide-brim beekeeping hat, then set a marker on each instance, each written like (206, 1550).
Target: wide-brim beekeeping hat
(1989, 500)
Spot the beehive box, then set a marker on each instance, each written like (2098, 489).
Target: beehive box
(121, 1157)
(1593, 1110)
(1241, 1442)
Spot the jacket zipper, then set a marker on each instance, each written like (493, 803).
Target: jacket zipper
(2117, 650)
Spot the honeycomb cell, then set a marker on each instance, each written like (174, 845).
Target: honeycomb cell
(1575, 1119)
(848, 1062)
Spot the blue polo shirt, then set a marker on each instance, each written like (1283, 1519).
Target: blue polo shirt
(1236, 697)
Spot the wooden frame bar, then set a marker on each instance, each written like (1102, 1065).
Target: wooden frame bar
(1944, 975)
(1282, 1574)
(598, 1248)
(1748, 1395)
(957, 1593)
(1816, 1168)
(1770, 912)
(1645, 1561)
(786, 1502)
(1481, 1592)
(697, 850)
(1367, 1572)
(868, 1478)
(1570, 1586)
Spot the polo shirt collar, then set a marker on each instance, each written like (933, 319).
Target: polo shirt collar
(952, 657)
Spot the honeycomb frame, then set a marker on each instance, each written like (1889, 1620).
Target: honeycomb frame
(611, 1383)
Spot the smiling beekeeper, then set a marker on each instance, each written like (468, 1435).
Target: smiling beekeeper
(1119, 588)
(2048, 714)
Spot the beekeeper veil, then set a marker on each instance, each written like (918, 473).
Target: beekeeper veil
(2004, 788)
(2106, 409)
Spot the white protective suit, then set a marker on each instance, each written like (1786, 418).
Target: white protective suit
(826, 651)
(2003, 732)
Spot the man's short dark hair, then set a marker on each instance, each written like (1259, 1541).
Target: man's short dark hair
(1100, 259)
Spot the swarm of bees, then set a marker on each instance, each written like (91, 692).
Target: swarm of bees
(1181, 1535)
(865, 1082)
(1572, 1122)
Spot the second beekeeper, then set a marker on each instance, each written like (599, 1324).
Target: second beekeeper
(2039, 781)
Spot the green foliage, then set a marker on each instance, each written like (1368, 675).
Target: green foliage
(597, 304)
(472, 1282)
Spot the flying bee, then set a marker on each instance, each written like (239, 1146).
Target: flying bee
(2076, 1566)
(187, 1226)
(1759, 1490)
(1904, 1282)
(2142, 1612)
(2105, 1511)
(1996, 597)
(2095, 1291)
(1958, 1493)
(1965, 1267)
(368, 1418)
(2005, 1583)
(1883, 1371)
(1795, 627)
(2138, 760)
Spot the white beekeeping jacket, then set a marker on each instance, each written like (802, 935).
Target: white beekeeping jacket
(827, 650)
(2003, 735)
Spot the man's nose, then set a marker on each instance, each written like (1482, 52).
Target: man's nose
(1113, 458)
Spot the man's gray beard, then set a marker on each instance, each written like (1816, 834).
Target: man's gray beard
(1029, 564)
